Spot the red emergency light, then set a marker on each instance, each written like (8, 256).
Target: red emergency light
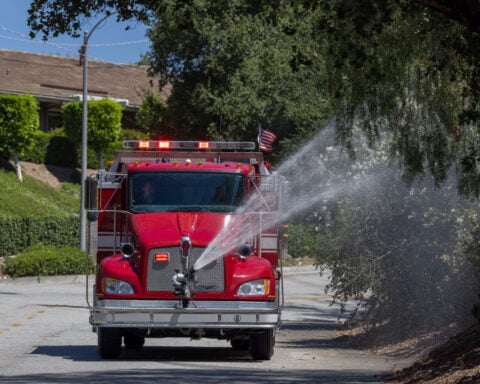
(163, 144)
(188, 145)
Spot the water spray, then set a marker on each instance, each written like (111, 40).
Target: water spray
(309, 177)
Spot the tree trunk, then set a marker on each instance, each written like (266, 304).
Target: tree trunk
(18, 167)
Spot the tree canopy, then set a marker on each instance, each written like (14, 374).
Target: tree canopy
(236, 66)
(18, 124)
(104, 123)
(52, 18)
(150, 115)
(290, 66)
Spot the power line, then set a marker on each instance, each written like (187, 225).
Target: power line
(20, 37)
(27, 39)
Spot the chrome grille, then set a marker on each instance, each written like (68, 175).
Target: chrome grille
(208, 279)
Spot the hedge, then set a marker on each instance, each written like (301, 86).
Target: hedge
(41, 260)
(17, 234)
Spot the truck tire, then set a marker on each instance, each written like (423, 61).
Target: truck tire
(261, 344)
(240, 344)
(133, 341)
(109, 342)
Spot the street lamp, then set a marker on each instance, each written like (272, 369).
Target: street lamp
(83, 177)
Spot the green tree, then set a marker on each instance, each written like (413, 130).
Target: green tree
(235, 66)
(289, 65)
(399, 64)
(150, 115)
(52, 18)
(19, 122)
(103, 126)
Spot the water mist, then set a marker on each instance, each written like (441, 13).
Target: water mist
(399, 242)
(304, 187)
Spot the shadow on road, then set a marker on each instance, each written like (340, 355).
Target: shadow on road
(211, 376)
(85, 353)
(311, 334)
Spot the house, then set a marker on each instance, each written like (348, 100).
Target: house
(54, 80)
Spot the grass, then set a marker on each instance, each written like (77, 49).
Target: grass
(33, 198)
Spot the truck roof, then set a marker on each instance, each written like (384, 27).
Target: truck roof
(189, 165)
(187, 155)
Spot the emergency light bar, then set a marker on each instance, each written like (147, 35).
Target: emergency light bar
(188, 145)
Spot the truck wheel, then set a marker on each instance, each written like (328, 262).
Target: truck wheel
(261, 344)
(109, 342)
(240, 344)
(133, 341)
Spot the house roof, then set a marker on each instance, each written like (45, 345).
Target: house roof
(59, 78)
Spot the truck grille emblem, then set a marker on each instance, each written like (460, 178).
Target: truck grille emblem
(185, 245)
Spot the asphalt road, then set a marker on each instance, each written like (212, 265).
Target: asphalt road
(45, 337)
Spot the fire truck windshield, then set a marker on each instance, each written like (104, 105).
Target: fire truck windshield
(186, 191)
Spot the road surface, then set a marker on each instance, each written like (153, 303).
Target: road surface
(45, 337)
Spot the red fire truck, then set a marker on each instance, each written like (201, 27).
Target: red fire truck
(187, 244)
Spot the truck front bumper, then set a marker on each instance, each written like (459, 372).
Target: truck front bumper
(171, 314)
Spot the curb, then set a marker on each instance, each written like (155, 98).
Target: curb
(65, 279)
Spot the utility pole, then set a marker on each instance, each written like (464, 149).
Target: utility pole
(84, 61)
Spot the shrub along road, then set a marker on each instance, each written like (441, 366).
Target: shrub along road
(45, 338)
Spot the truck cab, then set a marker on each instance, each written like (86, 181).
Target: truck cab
(186, 241)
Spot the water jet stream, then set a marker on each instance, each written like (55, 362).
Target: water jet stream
(304, 189)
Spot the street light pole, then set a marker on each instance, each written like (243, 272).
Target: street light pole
(83, 177)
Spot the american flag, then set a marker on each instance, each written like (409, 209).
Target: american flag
(266, 140)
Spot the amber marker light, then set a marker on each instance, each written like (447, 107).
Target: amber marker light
(162, 257)
(203, 145)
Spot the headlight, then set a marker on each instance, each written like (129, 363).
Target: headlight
(116, 287)
(255, 288)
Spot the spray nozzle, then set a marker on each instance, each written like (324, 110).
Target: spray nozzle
(183, 285)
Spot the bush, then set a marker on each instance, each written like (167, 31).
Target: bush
(302, 241)
(52, 148)
(37, 153)
(56, 149)
(19, 122)
(392, 246)
(41, 260)
(132, 134)
(61, 151)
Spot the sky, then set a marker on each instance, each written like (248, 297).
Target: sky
(108, 42)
